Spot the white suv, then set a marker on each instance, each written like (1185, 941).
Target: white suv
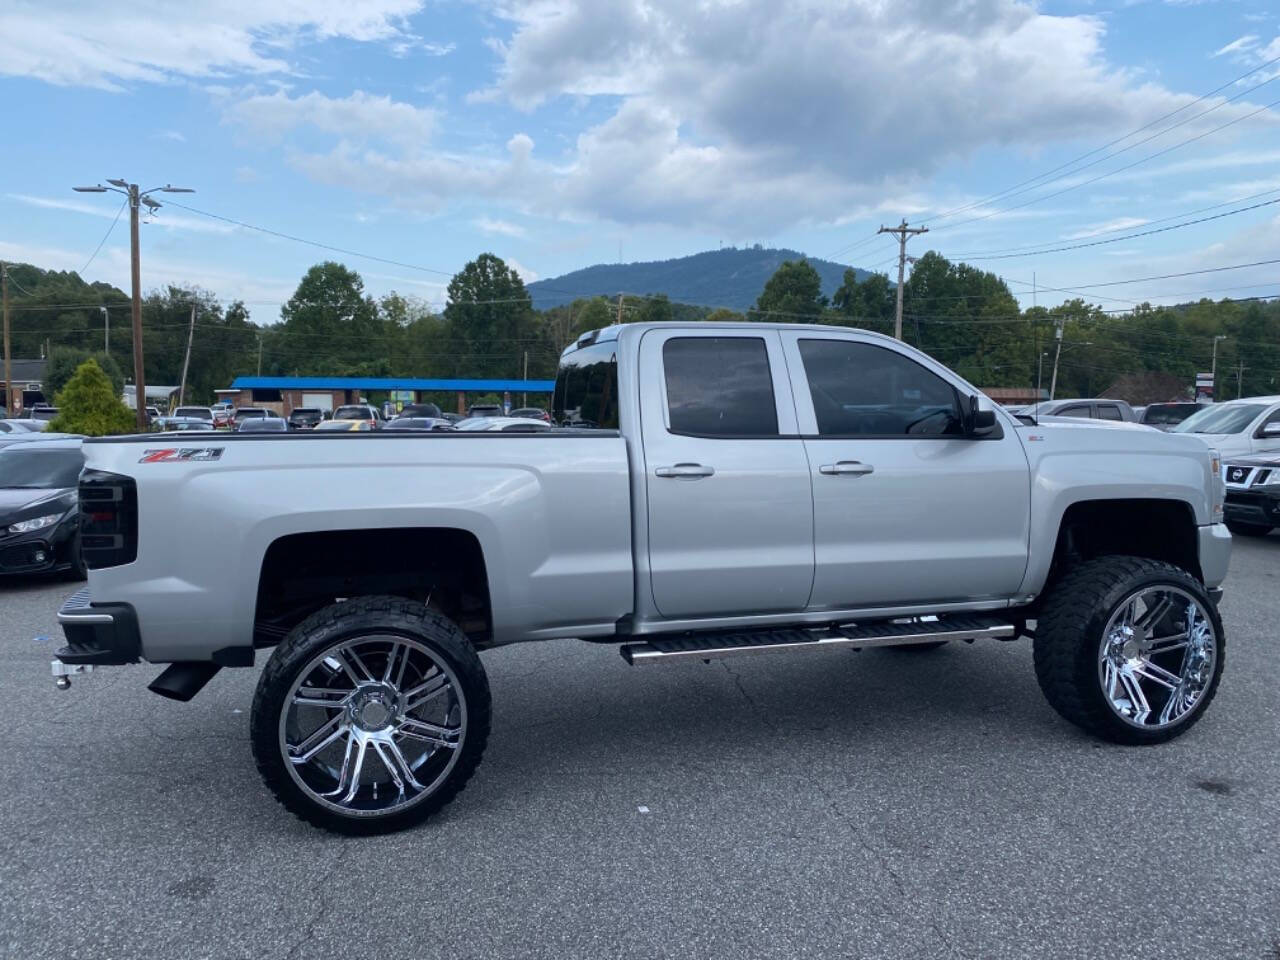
(1237, 427)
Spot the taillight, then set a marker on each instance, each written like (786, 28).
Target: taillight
(108, 519)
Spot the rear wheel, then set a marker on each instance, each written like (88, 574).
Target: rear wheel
(1130, 649)
(371, 716)
(1248, 529)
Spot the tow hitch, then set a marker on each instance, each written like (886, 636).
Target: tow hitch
(63, 672)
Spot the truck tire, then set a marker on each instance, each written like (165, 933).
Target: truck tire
(1248, 529)
(1129, 649)
(370, 716)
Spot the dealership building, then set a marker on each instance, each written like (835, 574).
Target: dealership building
(286, 394)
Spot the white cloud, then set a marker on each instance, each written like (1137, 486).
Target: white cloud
(358, 116)
(107, 210)
(1110, 226)
(1237, 46)
(527, 275)
(173, 135)
(97, 43)
(503, 227)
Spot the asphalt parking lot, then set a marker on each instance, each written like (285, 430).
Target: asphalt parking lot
(882, 804)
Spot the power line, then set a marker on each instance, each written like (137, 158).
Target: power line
(1111, 173)
(93, 256)
(1084, 156)
(1130, 236)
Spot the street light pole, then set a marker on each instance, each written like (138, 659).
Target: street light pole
(8, 380)
(1213, 367)
(106, 331)
(136, 198)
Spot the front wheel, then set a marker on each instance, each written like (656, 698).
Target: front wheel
(370, 716)
(1129, 649)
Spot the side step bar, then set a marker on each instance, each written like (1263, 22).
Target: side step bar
(881, 633)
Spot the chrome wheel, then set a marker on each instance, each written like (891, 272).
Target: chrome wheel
(1157, 657)
(373, 725)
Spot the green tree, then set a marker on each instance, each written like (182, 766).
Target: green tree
(330, 327)
(88, 404)
(65, 361)
(491, 323)
(869, 304)
(655, 308)
(792, 295)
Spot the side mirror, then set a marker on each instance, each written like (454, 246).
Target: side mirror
(978, 422)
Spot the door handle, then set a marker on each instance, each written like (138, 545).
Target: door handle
(846, 468)
(685, 471)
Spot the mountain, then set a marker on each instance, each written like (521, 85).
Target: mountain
(730, 277)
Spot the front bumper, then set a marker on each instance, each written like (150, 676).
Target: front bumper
(98, 634)
(1215, 553)
(1253, 506)
(40, 551)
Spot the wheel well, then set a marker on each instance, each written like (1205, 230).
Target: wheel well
(304, 572)
(1158, 529)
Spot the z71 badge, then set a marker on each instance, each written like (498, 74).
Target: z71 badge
(185, 454)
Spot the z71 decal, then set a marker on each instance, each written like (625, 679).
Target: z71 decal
(185, 454)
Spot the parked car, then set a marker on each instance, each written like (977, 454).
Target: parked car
(305, 418)
(452, 417)
(420, 410)
(194, 413)
(43, 413)
(359, 411)
(1253, 494)
(756, 487)
(1237, 428)
(263, 425)
(10, 439)
(188, 425)
(20, 426)
(1088, 409)
(343, 426)
(1166, 416)
(39, 507)
(531, 413)
(247, 413)
(430, 424)
(484, 410)
(154, 414)
(223, 414)
(503, 425)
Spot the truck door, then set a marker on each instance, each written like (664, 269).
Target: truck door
(906, 509)
(729, 505)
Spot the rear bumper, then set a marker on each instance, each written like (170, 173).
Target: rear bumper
(98, 634)
(1215, 553)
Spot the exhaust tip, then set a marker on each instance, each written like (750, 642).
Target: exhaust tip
(182, 681)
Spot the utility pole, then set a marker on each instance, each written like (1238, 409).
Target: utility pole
(136, 198)
(8, 380)
(106, 330)
(1213, 367)
(1240, 369)
(901, 232)
(524, 397)
(1053, 383)
(259, 354)
(619, 304)
(186, 361)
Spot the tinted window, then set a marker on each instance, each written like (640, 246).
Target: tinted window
(863, 390)
(1079, 410)
(353, 413)
(586, 393)
(1221, 418)
(200, 413)
(720, 386)
(43, 469)
(1108, 411)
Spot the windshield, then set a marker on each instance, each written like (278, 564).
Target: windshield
(43, 469)
(353, 413)
(198, 413)
(1169, 412)
(1225, 419)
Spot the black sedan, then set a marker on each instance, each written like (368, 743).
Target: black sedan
(1253, 495)
(39, 513)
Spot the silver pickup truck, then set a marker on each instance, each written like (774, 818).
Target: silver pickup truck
(714, 490)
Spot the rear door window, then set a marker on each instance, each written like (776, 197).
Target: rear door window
(586, 391)
(1080, 410)
(719, 387)
(1109, 411)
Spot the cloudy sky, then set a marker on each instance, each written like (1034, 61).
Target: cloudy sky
(560, 133)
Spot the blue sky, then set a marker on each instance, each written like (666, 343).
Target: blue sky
(559, 134)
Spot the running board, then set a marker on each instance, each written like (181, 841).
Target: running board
(879, 633)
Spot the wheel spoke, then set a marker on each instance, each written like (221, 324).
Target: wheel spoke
(426, 691)
(345, 769)
(1138, 699)
(1155, 613)
(302, 700)
(399, 655)
(349, 659)
(322, 737)
(1175, 641)
(430, 733)
(397, 765)
(1157, 674)
(361, 748)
